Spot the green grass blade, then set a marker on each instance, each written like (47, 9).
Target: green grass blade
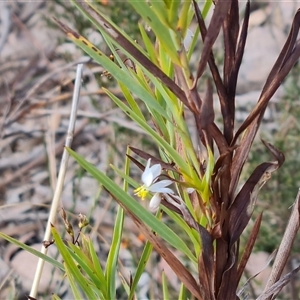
(140, 268)
(73, 269)
(110, 270)
(161, 11)
(73, 285)
(206, 8)
(86, 266)
(161, 30)
(130, 100)
(117, 236)
(149, 45)
(173, 12)
(97, 267)
(182, 292)
(127, 178)
(183, 22)
(55, 297)
(180, 222)
(27, 248)
(166, 295)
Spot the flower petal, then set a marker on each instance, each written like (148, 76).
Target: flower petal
(156, 170)
(147, 176)
(154, 202)
(160, 187)
(148, 164)
(166, 191)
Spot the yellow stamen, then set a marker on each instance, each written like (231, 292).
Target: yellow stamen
(141, 192)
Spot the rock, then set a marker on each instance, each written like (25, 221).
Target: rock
(262, 49)
(24, 261)
(258, 263)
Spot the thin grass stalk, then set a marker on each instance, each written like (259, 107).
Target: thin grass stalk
(60, 180)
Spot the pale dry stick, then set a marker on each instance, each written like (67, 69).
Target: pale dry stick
(53, 121)
(60, 180)
(285, 245)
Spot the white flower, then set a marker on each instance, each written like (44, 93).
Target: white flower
(149, 178)
(154, 203)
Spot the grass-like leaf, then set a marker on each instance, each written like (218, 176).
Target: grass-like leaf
(162, 31)
(165, 286)
(97, 267)
(73, 268)
(86, 265)
(110, 270)
(140, 268)
(75, 290)
(27, 248)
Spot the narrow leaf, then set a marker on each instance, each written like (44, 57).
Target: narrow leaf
(64, 251)
(249, 247)
(27, 248)
(242, 207)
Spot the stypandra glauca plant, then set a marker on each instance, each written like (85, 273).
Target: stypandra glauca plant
(196, 184)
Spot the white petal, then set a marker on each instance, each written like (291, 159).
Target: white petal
(161, 187)
(148, 164)
(166, 191)
(154, 202)
(147, 176)
(156, 170)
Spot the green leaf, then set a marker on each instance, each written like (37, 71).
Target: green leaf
(161, 11)
(184, 21)
(110, 271)
(161, 30)
(97, 267)
(86, 265)
(182, 292)
(173, 12)
(73, 269)
(73, 285)
(140, 268)
(166, 295)
(55, 297)
(149, 45)
(46, 258)
(183, 225)
(127, 178)
(130, 100)
(206, 8)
